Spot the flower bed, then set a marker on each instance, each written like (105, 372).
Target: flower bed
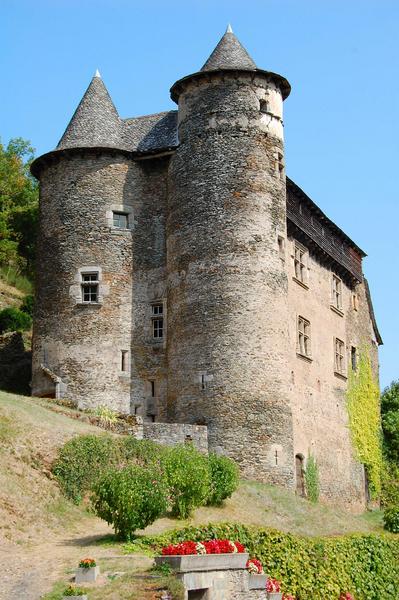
(208, 547)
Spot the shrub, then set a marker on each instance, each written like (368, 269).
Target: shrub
(28, 305)
(390, 484)
(72, 591)
(84, 459)
(188, 479)
(366, 566)
(224, 475)
(391, 519)
(312, 479)
(106, 415)
(130, 499)
(81, 461)
(13, 319)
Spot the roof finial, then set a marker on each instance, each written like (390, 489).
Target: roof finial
(97, 74)
(229, 29)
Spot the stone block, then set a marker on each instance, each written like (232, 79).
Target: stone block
(257, 581)
(204, 562)
(86, 575)
(274, 596)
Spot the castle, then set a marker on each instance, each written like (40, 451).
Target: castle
(182, 277)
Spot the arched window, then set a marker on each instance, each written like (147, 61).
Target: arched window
(300, 475)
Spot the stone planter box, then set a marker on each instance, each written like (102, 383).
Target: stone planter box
(204, 562)
(274, 596)
(84, 597)
(257, 582)
(86, 575)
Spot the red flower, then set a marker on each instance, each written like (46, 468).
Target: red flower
(288, 597)
(346, 596)
(254, 566)
(272, 585)
(184, 548)
(211, 547)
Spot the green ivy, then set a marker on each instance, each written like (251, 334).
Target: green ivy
(367, 566)
(312, 479)
(363, 403)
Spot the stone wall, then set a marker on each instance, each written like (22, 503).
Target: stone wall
(227, 291)
(172, 434)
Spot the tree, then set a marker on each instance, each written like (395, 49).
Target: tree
(18, 206)
(390, 420)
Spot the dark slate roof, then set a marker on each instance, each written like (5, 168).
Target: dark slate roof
(95, 122)
(229, 54)
(151, 133)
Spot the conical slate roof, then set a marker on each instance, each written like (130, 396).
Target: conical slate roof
(95, 122)
(229, 54)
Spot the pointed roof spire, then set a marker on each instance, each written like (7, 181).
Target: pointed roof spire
(95, 122)
(97, 74)
(229, 54)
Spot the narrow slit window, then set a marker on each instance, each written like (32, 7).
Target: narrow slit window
(89, 286)
(202, 381)
(124, 355)
(353, 358)
(152, 388)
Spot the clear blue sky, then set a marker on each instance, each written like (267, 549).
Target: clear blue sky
(341, 120)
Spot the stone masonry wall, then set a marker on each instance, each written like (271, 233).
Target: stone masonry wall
(171, 434)
(318, 393)
(227, 291)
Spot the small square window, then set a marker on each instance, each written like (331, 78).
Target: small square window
(336, 293)
(339, 363)
(303, 339)
(89, 287)
(120, 220)
(157, 321)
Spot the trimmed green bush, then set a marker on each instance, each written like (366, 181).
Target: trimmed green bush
(13, 319)
(188, 479)
(318, 568)
(224, 478)
(84, 459)
(130, 499)
(391, 519)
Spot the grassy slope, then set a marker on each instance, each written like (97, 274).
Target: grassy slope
(30, 434)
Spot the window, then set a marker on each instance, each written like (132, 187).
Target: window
(157, 321)
(304, 337)
(120, 220)
(124, 355)
(281, 247)
(152, 383)
(355, 301)
(89, 285)
(353, 358)
(336, 296)
(263, 106)
(339, 365)
(300, 263)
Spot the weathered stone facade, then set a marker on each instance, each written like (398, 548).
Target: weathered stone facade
(206, 252)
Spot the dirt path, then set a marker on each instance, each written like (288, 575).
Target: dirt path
(27, 573)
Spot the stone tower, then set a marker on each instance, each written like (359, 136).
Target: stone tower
(227, 285)
(82, 333)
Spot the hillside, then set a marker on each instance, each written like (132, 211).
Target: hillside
(37, 524)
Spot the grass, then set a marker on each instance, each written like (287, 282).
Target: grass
(14, 278)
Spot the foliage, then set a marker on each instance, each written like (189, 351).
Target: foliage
(364, 419)
(366, 566)
(130, 499)
(13, 319)
(188, 479)
(390, 421)
(12, 276)
(224, 478)
(72, 591)
(390, 484)
(106, 415)
(28, 305)
(87, 563)
(312, 479)
(84, 459)
(18, 206)
(391, 519)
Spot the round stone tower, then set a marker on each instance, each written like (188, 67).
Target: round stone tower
(82, 325)
(227, 287)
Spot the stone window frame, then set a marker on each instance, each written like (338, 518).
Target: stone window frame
(300, 261)
(304, 338)
(100, 293)
(337, 294)
(158, 316)
(121, 209)
(339, 358)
